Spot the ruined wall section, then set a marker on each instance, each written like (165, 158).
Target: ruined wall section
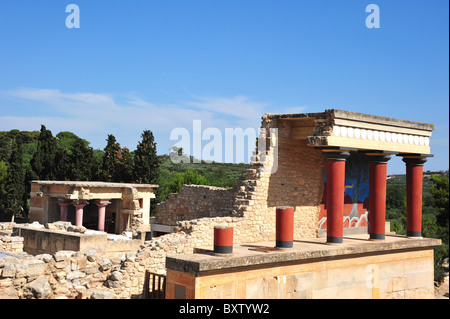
(195, 201)
(298, 182)
(278, 175)
(89, 274)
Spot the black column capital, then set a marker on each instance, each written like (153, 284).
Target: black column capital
(415, 159)
(379, 159)
(336, 155)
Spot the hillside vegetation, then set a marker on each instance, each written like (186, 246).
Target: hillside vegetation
(69, 157)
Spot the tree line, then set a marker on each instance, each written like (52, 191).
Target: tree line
(67, 157)
(38, 155)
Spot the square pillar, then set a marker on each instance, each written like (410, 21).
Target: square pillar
(335, 195)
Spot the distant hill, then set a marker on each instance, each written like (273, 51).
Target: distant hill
(400, 179)
(218, 174)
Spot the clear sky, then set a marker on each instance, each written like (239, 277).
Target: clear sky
(158, 65)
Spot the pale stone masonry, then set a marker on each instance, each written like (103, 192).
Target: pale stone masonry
(195, 201)
(91, 273)
(11, 244)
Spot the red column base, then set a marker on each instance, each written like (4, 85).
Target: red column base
(223, 240)
(285, 227)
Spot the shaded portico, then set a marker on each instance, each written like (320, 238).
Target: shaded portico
(103, 203)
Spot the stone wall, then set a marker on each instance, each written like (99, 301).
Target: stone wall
(195, 201)
(11, 244)
(89, 274)
(8, 242)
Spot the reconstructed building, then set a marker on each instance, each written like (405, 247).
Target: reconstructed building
(109, 207)
(327, 166)
(330, 168)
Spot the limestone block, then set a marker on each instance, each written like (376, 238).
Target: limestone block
(30, 268)
(38, 289)
(9, 270)
(63, 255)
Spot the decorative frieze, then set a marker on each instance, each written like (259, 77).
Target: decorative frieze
(382, 136)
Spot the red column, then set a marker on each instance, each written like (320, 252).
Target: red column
(285, 227)
(64, 209)
(79, 213)
(124, 221)
(414, 184)
(377, 196)
(223, 240)
(101, 214)
(335, 195)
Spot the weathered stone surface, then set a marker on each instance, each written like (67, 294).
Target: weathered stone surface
(116, 276)
(37, 289)
(103, 293)
(62, 255)
(30, 268)
(74, 275)
(9, 270)
(105, 264)
(6, 239)
(195, 201)
(114, 284)
(77, 229)
(7, 290)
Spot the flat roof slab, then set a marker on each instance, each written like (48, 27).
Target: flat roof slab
(305, 250)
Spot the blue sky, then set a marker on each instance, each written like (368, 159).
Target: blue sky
(144, 64)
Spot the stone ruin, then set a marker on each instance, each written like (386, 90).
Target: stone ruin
(289, 171)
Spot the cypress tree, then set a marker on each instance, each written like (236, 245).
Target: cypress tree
(62, 165)
(43, 161)
(14, 203)
(146, 161)
(108, 165)
(146, 165)
(125, 166)
(83, 164)
(117, 162)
